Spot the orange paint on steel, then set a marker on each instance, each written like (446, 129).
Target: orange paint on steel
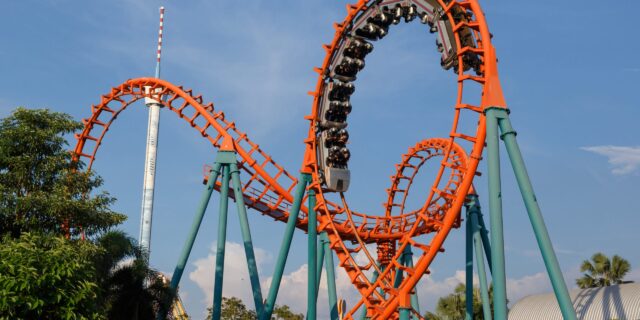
(269, 193)
(268, 186)
(492, 95)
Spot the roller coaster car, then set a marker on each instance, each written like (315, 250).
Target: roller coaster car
(337, 179)
(348, 58)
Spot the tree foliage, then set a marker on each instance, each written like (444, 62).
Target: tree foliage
(285, 313)
(453, 306)
(234, 309)
(132, 290)
(47, 277)
(45, 200)
(602, 271)
(41, 188)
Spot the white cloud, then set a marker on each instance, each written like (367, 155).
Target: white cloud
(527, 285)
(293, 288)
(624, 160)
(236, 281)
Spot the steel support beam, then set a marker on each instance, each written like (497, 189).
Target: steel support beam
(363, 313)
(312, 229)
(285, 246)
(405, 313)
(221, 245)
(246, 238)
(486, 244)
(408, 261)
(331, 275)
(468, 266)
(319, 264)
(482, 274)
(186, 250)
(495, 212)
(535, 215)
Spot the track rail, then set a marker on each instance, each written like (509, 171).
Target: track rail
(268, 187)
(471, 56)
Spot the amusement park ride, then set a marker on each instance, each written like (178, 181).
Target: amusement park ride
(406, 240)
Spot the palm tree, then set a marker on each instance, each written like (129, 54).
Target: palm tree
(132, 290)
(453, 306)
(602, 272)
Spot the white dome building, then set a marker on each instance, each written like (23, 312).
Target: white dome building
(617, 302)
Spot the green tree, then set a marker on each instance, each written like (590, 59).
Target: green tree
(602, 271)
(45, 195)
(285, 313)
(234, 309)
(132, 289)
(41, 188)
(48, 277)
(453, 306)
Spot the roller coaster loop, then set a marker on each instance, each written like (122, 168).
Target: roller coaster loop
(406, 240)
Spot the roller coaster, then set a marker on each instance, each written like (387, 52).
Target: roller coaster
(406, 240)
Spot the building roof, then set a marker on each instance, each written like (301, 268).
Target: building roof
(614, 302)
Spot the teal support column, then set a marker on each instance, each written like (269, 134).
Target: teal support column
(319, 263)
(468, 283)
(286, 245)
(486, 244)
(405, 313)
(363, 313)
(482, 274)
(399, 274)
(186, 250)
(331, 275)
(537, 222)
(246, 238)
(473, 206)
(495, 212)
(408, 261)
(312, 229)
(222, 239)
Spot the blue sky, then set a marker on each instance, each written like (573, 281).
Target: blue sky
(569, 72)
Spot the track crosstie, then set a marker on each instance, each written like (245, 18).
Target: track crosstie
(465, 43)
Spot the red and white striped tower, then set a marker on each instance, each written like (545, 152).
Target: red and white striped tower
(152, 150)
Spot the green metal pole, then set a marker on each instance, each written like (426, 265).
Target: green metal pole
(495, 211)
(285, 246)
(473, 205)
(408, 261)
(399, 274)
(186, 250)
(537, 222)
(363, 314)
(484, 235)
(312, 229)
(405, 313)
(319, 264)
(246, 237)
(331, 275)
(468, 267)
(482, 274)
(222, 239)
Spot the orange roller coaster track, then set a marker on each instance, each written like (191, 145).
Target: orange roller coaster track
(464, 41)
